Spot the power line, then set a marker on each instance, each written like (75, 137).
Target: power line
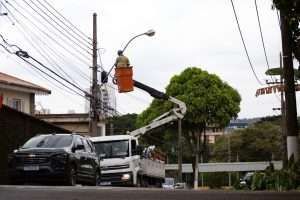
(70, 28)
(22, 55)
(245, 48)
(48, 35)
(261, 35)
(42, 53)
(49, 22)
(66, 20)
(263, 43)
(40, 49)
(50, 76)
(55, 85)
(71, 43)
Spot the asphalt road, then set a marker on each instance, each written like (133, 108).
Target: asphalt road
(110, 193)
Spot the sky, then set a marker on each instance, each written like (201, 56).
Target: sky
(189, 33)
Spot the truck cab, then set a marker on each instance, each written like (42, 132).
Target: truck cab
(119, 159)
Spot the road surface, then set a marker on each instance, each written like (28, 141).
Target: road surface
(110, 193)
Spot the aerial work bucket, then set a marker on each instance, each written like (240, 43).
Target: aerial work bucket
(124, 80)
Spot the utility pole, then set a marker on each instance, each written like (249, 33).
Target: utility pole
(94, 115)
(179, 153)
(229, 157)
(283, 122)
(197, 162)
(289, 86)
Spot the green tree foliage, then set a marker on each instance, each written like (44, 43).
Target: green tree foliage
(260, 142)
(121, 124)
(209, 100)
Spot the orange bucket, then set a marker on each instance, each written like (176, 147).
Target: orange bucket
(124, 79)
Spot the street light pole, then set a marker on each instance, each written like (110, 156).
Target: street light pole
(149, 33)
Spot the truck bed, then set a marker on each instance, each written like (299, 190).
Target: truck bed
(152, 168)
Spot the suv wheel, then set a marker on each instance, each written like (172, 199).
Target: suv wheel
(71, 179)
(97, 178)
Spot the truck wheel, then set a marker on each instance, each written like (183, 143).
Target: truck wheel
(139, 181)
(71, 179)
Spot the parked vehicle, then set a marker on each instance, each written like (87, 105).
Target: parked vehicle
(246, 180)
(124, 163)
(64, 158)
(169, 183)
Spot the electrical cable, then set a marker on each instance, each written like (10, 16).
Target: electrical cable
(80, 73)
(245, 48)
(50, 76)
(45, 54)
(66, 20)
(71, 43)
(263, 43)
(261, 35)
(85, 39)
(48, 35)
(48, 59)
(66, 35)
(22, 55)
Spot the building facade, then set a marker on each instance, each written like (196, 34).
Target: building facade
(20, 94)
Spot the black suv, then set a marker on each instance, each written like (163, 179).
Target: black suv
(65, 158)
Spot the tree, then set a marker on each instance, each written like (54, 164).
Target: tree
(121, 124)
(209, 100)
(259, 142)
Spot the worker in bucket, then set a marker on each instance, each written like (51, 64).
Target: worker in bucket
(122, 61)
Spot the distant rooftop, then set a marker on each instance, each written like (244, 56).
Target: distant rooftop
(13, 83)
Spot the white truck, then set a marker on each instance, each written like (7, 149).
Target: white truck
(123, 161)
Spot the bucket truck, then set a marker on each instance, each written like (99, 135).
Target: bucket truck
(123, 162)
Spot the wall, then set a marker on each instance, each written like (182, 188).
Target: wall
(16, 128)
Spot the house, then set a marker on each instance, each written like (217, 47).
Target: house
(20, 94)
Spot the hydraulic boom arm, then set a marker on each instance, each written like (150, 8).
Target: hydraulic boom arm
(174, 114)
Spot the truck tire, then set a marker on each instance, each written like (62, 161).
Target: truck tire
(139, 181)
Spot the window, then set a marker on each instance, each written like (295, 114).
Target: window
(16, 104)
(91, 145)
(78, 141)
(87, 146)
(49, 141)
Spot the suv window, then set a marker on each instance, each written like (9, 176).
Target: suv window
(91, 145)
(49, 141)
(79, 141)
(87, 147)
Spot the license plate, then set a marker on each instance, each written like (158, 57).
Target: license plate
(31, 168)
(105, 183)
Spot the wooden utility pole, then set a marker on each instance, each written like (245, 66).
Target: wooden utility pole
(179, 153)
(289, 85)
(196, 173)
(283, 121)
(94, 114)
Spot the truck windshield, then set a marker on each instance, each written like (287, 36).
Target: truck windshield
(49, 141)
(112, 149)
